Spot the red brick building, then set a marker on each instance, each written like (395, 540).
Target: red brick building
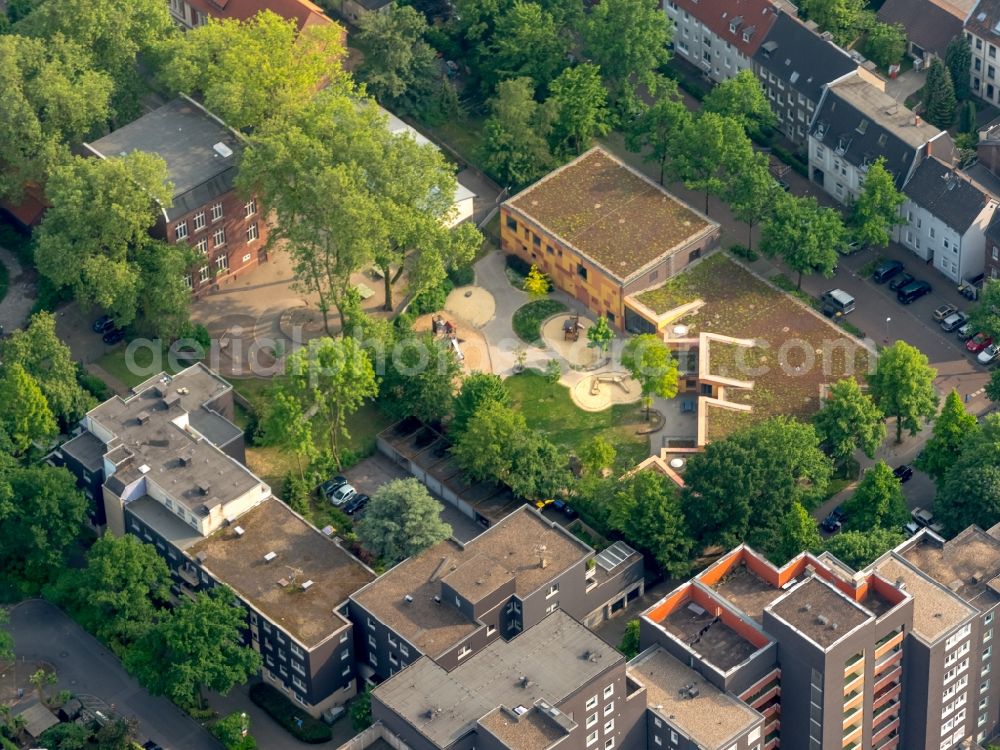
(227, 232)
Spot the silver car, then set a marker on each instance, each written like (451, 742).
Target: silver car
(342, 494)
(950, 322)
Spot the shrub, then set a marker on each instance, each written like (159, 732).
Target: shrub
(527, 320)
(431, 300)
(298, 723)
(553, 370)
(792, 160)
(92, 384)
(744, 252)
(463, 276)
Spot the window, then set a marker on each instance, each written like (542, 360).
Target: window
(609, 743)
(222, 262)
(252, 233)
(298, 683)
(511, 224)
(609, 726)
(404, 649)
(203, 273)
(393, 659)
(609, 691)
(552, 608)
(219, 238)
(246, 258)
(464, 651)
(581, 271)
(181, 230)
(217, 212)
(592, 702)
(371, 640)
(989, 618)
(609, 708)
(591, 738)
(188, 281)
(345, 654)
(373, 659)
(490, 630)
(346, 671)
(202, 246)
(592, 720)
(932, 232)
(199, 221)
(298, 667)
(553, 590)
(250, 208)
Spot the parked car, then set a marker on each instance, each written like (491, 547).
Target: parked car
(989, 354)
(343, 494)
(113, 336)
(103, 324)
(901, 280)
(953, 321)
(783, 184)
(978, 342)
(912, 291)
(831, 524)
(886, 270)
(903, 473)
(356, 504)
(150, 745)
(911, 528)
(836, 301)
(570, 512)
(942, 312)
(965, 332)
(922, 517)
(330, 485)
(542, 504)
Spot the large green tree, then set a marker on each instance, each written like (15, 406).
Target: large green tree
(25, 417)
(655, 131)
(742, 487)
(650, 361)
(250, 72)
(939, 95)
(709, 153)
(993, 386)
(878, 501)
(743, 99)
(849, 420)
(118, 593)
(285, 425)
(401, 520)
(420, 379)
(531, 46)
(859, 548)
(885, 44)
(797, 533)
(958, 60)
(650, 516)
(6, 639)
(515, 149)
(477, 389)
(843, 18)
(952, 427)
(804, 234)
(903, 387)
(752, 193)
(986, 315)
(876, 211)
(483, 449)
(197, 645)
(970, 491)
(580, 111)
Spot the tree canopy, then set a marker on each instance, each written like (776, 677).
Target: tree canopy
(878, 501)
(531, 46)
(797, 533)
(970, 491)
(709, 153)
(477, 389)
(25, 417)
(657, 130)
(939, 95)
(985, 316)
(804, 234)
(860, 548)
(649, 514)
(752, 193)
(420, 379)
(849, 420)
(515, 146)
(579, 104)
(627, 39)
(876, 211)
(402, 520)
(741, 98)
(958, 60)
(952, 427)
(650, 361)
(903, 387)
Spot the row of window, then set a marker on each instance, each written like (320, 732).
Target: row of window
(198, 220)
(221, 264)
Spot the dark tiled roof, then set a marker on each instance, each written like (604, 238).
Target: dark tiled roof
(753, 16)
(928, 25)
(946, 194)
(802, 57)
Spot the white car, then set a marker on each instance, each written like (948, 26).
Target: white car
(988, 354)
(342, 494)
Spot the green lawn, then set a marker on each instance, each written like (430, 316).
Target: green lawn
(140, 368)
(548, 407)
(527, 320)
(464, 135)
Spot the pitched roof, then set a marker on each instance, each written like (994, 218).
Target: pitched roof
(929, 25)
(802, 57)
(862, 123)
(985, 19)
(753, 19)
(947, 194)
(303, 12)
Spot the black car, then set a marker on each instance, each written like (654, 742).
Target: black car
(901, 280)
(831, 524)
(569, 511)
(103, 324)
(886, 270)
(356, 503)
(332, 485)
(903, 473)
(150, 745)
(113, 336)
(912, 291)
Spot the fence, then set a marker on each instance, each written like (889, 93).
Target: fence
(371, 735)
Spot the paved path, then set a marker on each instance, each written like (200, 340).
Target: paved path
(42, 632)
(14, 308)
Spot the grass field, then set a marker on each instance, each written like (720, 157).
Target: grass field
(117, 364)
(549, 408)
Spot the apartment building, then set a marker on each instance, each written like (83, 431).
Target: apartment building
(946, 216)
(453, 600)
(227, 232)
(602, 231)
(189, 14)
(982, 28)
(170, 472)
(720, 37)
(855, 124)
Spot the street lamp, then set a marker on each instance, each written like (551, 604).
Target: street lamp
(887, 320)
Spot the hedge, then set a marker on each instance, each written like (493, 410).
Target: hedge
(286, 713)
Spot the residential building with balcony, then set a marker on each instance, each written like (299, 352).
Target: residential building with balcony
(171, 473)
(227, 232)
(453, 600)
(856, 124)
(602, 231)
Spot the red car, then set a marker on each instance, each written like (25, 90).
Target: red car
(978, 342)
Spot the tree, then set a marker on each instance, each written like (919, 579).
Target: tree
(878, 501)
(958, 60)
(952, 428)
(484, 449)
(26, 417)
(233, 732)
(985, 316)
(885, 44)
(52, 97)
(118, 734)
(849, 420)
(797, 533)
(539, 468)
(708, 154)
(253, 71)
(860, 548)
(804, 234)
(112, 34)
(477, 389)
(531, 46)
(48, 360)
(579, 103)
(743, 99)
(876, 210)
(656, 130)
(628, 40)
(648, 513)
(198, 645)
(286, 425)
(361, 710)
(102, 210)
(119, 592)
(629, 644)
(993, 386)
(843, 18)
(903, 387)
(334, 377)
(6, 639)
(600, 336)
(41, 679)
(756, 473)
(401, 520)
(66, 736)
(650, 361)
(515, 148)
(967, 119)
(597, 454)
(939, 95)
(40, 524)
(752, 193)
(536, 284)
(970, 491)
(420, 379)
(400, 68)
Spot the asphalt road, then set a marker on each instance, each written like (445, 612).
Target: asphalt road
(43, 632)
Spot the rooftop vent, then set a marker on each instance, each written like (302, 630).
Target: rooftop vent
(172, 400)
(821, 619)
(806, 607)
(200, 557)
(524, 682)
(270, 556)
(222, 150)
(408, 599)
(306, 585)
(186, 459)
(144, 469)
(204, 488)
(437, 599)
(142, 417)
(240, 531)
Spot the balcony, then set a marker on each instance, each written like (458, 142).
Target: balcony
(888, 677)
(852, 735)
(888, 643)
(853, 683)
(885, 732)
(889, 658)
(851, 713)
(852, 661)
(887, 695)
(188, 575)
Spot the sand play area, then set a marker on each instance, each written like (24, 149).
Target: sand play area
(601, 390)
(473, 304)
(576, 353)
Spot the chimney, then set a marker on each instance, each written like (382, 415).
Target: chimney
(916, 120)
(544, 562)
